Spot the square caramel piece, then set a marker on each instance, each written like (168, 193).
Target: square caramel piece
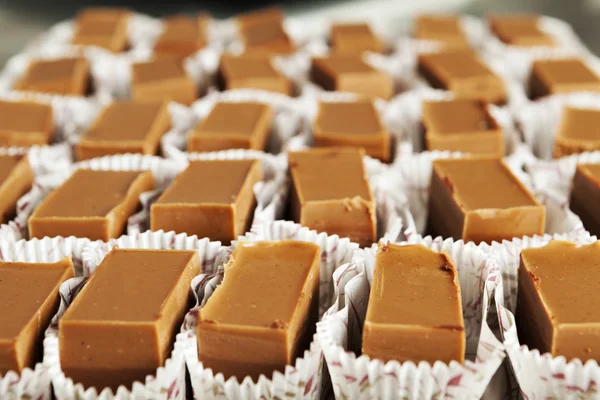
(585, 194)
(461, 125)
(480, 200)
(463, 74)
(264, 313)
(125, 127)
(352, 124)
(212, 198)
(107, 33)
(182, 36)
(16, 179)
(103, 14)
(268, 36)
(122, 325)
(252, 71)
(28, 300)
(578, 131)
(25, 123)
(331, 193)
(260, 16)
(349, 73)
(550, 77)
(162, 80)
(244, 125)
(556, 310)
(64, 76)
(355, 39)
(91, 204)
(519, 30)
(445, 29)
(415, 310)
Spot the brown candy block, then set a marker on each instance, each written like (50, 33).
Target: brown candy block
(461, 125)
(355, 39)
(65, 76)
(16, 179)
(264, 313)
(182, 36)
(331, 193)
(585, 194)
(161, 80)
(415, 310)
(349, 73)
(103, 14)
(352, 124)
(28, 300)
(267, 37)
(557, 287)
(25, 124)
(110, 34)
(213, 199)
(272, 14)
(463, 74)
(445, 29)
(252, 72)
(244, 125)
(122, 325)
(519, 30)
(561, 76)
(480, 200)
(579, 131)
(125, 127)
(91, 204)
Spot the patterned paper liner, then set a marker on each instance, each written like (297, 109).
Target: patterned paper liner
(35, 384)
(358, 377)
(540, 376)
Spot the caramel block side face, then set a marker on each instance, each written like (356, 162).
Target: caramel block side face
(480, 200)
(181, 37)
(244, 125)
(264, 313)
(91, 204)
(66, 76)
(585, 194)
(16, 179)
(445, 29)
(213, 199)
(162, 80)
(415, 309)
(561, 76)
(122, 325)
(126, 127)
(519, 30)
(352, 124)
(105, 33)
(252, 72)
(578, 131)
(463, 74)
(28, 300)
(331, 193)
(267, 37)
(349, 73)
(25, 124)
(355, 39)
(461, 125)
(555, 312)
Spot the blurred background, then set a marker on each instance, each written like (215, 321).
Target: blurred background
(22, 20)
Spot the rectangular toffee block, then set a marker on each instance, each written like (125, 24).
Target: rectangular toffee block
(64, 76)
(266, 37)
(109, 34)
(122, 325)
(252, 71)
(182, 36)
(162, 80)
(415, 309)
(570, 75)
(25, 124)
(578, 131)
(355, 38)
(519, 30)
(16, 179)
(445, 29)
(264, 313)
(585, 195)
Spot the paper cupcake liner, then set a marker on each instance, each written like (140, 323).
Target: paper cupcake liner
(357, 377)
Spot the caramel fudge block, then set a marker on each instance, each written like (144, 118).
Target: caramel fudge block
(274, 14)
(461, 125)
(415, 310)
(122, 325)
(25, 124)
(28, 300)
(213, 199)
(182, 36)
(107, 33)
(163, 79)
(264, 314)
(126, 127)
(252, 72)
(352, 124)
(355, 39)
(585, 194)
(463, 74)
(557, 287)
(16, 179)
(103, 14)
(579, 131)
(268, 37)
(91, 204)
(65, 76)
(244, 125)
(445, 29)
(349, 73)
(561, 76)
(519, 30)
(331, 193)
(480, 200)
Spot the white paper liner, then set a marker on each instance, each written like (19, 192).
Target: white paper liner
(303, 380)
(540, 376)
(360, 377)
